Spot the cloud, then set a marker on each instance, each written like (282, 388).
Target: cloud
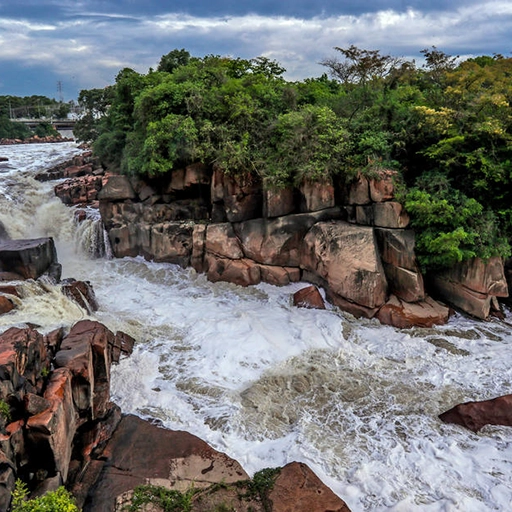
(92, 46)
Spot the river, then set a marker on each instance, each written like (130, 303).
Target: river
(268, 383)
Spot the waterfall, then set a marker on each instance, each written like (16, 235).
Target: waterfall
(91, 237)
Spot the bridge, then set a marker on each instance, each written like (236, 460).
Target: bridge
(58, 124)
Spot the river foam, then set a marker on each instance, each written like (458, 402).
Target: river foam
(268, 383)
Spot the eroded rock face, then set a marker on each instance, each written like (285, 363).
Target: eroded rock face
(471, 285)
(346, 257)
(475, 415)
(279, 241)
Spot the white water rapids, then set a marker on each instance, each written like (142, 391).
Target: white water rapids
(268, 383)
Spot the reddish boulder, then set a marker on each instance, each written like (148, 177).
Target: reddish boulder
(278, 202)
(53, 429)
(359, 191)
(82, 293)
(86, 352)
(345, 256)
(243, 272)
(149, 454)
(308, 297)
(298, 489)
(401, 314)
(5, 305)
(279, 276)
(475, 415)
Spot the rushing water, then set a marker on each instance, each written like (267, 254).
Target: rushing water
(268, 383)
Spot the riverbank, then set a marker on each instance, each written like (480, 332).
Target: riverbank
(268, 383)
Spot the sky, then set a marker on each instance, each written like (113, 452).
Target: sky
(56, 48)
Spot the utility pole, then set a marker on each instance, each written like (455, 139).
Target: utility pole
(59, 90)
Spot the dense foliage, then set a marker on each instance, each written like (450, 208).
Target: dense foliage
(53, 501)
(445, 126)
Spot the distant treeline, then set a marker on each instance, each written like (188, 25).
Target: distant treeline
(31, 107)
(446, 126)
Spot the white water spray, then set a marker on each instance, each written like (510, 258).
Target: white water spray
(269, 383)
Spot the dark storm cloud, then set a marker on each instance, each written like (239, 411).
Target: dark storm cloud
(84, 44)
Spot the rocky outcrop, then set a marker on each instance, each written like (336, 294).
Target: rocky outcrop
(475, 415)
(472, 285)
(46, 412)
(58, 427)
(346, 258)
(29, 258)
(234, 229)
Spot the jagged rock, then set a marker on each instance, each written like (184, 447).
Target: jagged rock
(198, 248)
(405, 284)
(52, 430)
(80, 190)
(404, 315)
(117, 188)
(170, 242)
(346, 258)
(471, 285)
(85, 351)
(82, 293)
(238, 198)
(475, 415)
(29, 258)
(278, 241)
(316, 195)
(278, 202)
(7, 480)
(308, 297)
(396, 247)
(149, 454)
(298, 489)
(22, 356)
(122, 346)
(364, 215)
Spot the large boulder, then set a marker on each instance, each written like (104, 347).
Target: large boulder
(117, 188)
(345, 256)
(149, 454)
(278, 241)
(278, 202)
(396, 247)
(29, 258)
(402, 314)
(472, 285)
(475, 415)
